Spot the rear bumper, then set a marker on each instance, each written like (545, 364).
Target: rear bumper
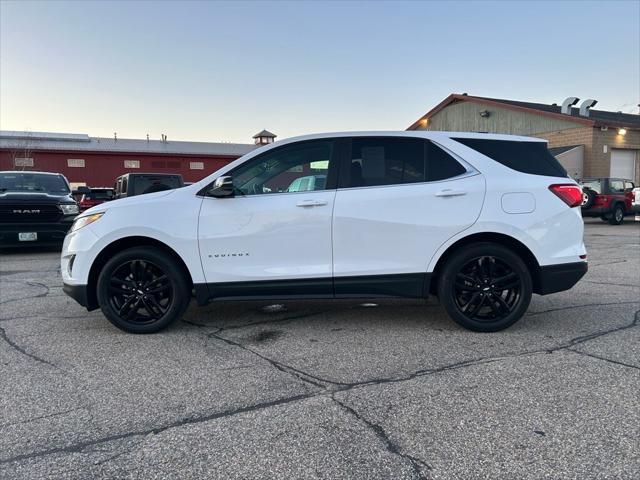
(558, 278)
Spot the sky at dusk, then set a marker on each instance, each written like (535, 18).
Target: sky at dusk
(217, 71)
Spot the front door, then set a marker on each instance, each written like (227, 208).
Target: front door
(273, 237)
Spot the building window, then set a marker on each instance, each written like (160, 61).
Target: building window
(75, 162)
(23, 162)
(196, 165)
(132, 164)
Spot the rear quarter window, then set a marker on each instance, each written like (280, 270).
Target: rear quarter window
(526, 157)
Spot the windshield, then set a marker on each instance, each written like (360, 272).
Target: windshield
(33, 182)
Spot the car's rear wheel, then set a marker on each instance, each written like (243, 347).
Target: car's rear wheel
(485, 287)
(617, 216)
(142, 290)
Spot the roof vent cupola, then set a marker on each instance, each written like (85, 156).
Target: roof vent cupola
(264, 137)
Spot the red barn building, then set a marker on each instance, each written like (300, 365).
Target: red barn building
(97, 161)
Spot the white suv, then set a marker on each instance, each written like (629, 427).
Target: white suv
(482, 221)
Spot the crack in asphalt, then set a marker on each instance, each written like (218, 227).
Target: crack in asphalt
(79, 447)
(615, 284)
(571, 307)
(598, 357)
(18, 348)
(389, 444)
(279, 366)
(47, 289)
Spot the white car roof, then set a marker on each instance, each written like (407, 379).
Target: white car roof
(412, 133)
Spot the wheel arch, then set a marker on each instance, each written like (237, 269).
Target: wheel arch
(122, 244)
(489, 237)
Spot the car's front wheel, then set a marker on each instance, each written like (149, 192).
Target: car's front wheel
(485, 287)
(142, 290)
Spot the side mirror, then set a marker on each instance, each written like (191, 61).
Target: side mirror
(81, 191)
(222, 187)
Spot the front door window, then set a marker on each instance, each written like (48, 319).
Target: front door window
(301, 167)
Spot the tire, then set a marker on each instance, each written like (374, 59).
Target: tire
(146, 278)
(588, 197)
(617, 216)
(481, 305)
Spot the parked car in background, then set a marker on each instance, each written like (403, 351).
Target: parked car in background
(95, 197)
(635, 203)
(608, 198)
(482, 221)
(131, 184)
(36, 208)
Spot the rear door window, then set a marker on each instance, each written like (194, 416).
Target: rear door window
(378, 161)
(526, 157)
(386, 161)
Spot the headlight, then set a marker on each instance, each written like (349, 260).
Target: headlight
(84, 221)
(69, 209)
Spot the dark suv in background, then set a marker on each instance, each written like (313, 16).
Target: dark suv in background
(608, 198)
(131, 184)
(36, 208)
(95, 197)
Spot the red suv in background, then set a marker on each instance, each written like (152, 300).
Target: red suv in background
(608, 198)
(96, 197)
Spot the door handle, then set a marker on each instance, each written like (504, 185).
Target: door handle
(311, 203)
(450, 193)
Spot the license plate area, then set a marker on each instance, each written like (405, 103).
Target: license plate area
(28, 236)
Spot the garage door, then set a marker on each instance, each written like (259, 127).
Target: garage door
(623, 163)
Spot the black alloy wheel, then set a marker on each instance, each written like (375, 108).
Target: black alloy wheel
(143, 290)
(140, 291)
(485, 287)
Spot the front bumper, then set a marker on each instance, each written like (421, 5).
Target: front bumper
(49, 234)
(558, 278)
(77, 292)
(80, 294)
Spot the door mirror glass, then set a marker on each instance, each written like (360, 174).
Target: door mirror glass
(222, 187)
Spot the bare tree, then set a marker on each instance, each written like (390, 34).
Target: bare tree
(22, 149)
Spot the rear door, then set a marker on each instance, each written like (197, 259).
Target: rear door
(399, 199)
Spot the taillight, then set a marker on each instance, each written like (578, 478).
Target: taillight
(568, 193)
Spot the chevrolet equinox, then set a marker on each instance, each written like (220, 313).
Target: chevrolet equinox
(482, 221)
